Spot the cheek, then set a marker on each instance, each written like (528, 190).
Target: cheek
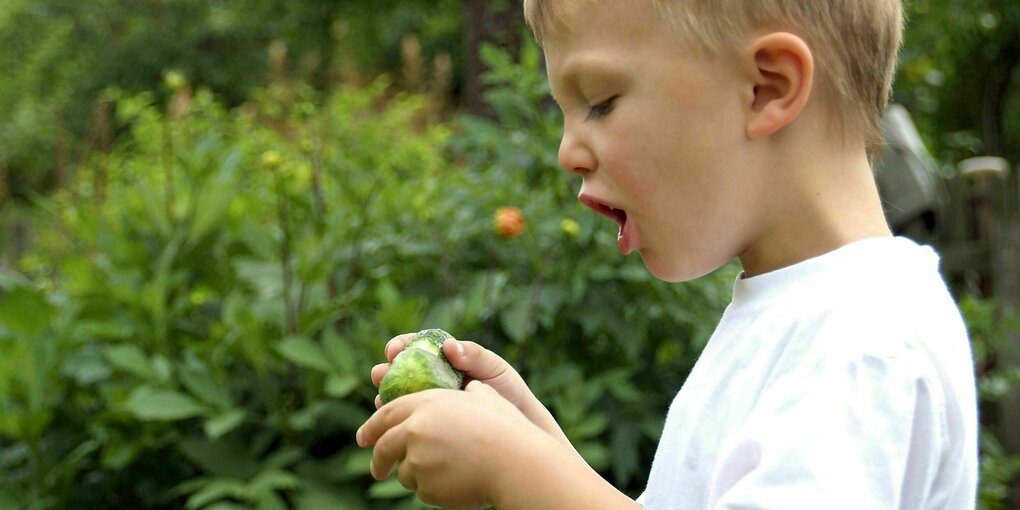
(620, 155)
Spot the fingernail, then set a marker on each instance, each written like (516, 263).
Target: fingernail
(388, 344)
(358, 437)
(459, 347)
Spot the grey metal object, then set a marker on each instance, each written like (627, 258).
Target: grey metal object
(907, 175)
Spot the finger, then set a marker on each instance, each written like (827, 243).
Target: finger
(378, 372)
(395, 345)
(378, 401)
(387, 417)
(391, 448)
(405, 473)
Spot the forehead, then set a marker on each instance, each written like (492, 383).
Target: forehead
(604, 35)
(588, 24)
(556, 19)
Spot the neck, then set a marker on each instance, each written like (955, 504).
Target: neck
(821, 201)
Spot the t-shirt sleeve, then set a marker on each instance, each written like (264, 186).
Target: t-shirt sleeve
(858, 432)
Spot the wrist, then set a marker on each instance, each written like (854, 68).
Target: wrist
(540, 416)
(543, 473)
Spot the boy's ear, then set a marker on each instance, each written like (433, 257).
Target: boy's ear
(781, 68)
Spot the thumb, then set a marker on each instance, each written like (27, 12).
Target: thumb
(476, 361)
(481, 364)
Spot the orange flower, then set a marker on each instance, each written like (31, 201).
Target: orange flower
(509, 222)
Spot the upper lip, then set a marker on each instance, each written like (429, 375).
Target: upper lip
(603, 208)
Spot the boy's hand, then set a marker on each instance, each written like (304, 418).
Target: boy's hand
(473, 449)
(452, 446)
(481, 364)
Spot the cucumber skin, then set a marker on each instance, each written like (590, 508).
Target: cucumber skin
(420, 366)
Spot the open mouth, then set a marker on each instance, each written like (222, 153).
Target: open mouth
(617, 215)
(627, 240)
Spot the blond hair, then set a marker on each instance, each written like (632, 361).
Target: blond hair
(855, 44)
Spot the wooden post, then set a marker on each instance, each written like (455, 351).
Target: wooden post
(997, 219)
(1006, 271)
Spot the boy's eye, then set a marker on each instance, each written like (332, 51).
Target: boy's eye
(602, 109)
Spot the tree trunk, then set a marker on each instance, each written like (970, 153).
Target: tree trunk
(498, 22)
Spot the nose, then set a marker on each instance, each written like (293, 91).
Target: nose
(574, 155)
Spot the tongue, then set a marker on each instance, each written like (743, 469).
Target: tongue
(625, 239)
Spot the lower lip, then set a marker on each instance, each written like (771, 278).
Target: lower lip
(626, 241)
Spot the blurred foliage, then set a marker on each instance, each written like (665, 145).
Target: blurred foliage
(57, 56)
(992, 331)
(960, 76)
(195, 322)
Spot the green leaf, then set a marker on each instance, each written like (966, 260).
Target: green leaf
(86, 366)
(117, 454)
(483, 295)
(201, 384)
(307, 417)
(514, 317)
(304, 353)
(625, 451)
(592, 426)
(267, 500)
(9, 500)
(596, 454)
(162, 369)
(224, 422)
(345, 415)
(320, 498)
(443, 312)
(148, 403)
(339, 386)
(227, 505)
(274, 479)
(25, 311)
(214, 200)
(358, 463)
(220, 457)
(338, 351)
(282, 457)
(388, 489)
(215, 490)
(131, 359)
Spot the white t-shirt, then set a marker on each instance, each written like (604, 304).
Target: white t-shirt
(841, 382)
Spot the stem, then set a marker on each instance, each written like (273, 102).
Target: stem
(168, 169)
(536, 288)
(357, 240)
(320, 208)
(40, 469)
(289, 320)
(102, 119)
(486, 302)
(285, 257)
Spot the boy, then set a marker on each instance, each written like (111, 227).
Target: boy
(840, 375)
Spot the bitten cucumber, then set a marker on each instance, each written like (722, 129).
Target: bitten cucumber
(420, 366)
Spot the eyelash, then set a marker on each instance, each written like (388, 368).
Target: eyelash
(602, 109)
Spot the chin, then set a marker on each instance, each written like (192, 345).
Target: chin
(673, 270)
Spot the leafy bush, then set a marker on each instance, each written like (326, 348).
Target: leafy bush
(196, 320)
